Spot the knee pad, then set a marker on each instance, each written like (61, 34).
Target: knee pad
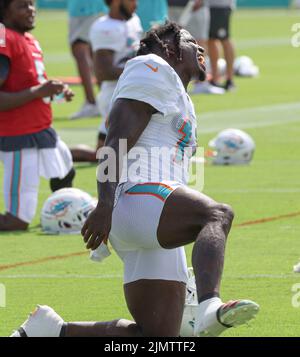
(57, 184)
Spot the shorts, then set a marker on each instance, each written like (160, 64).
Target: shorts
(133, 235)
(22, 171)
(103, 101)
(220, 23)
(198, 26)
(79, 28)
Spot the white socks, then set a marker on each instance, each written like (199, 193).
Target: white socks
(206, 317)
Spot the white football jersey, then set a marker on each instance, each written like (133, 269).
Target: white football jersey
(169, 140)
(121, 36)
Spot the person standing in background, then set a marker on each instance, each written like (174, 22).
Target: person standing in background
(220, 17)
(152, 13)
(115, 39)
(198, 25)
(82, 14)
(29, 146)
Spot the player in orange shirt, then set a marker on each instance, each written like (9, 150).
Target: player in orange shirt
(29, 147)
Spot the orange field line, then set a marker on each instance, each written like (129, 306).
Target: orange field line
(43, 260)
(61, 257)
(266, 220)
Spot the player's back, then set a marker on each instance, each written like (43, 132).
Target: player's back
(171, 132)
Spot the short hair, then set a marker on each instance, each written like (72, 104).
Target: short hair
(3, 6)
(155, 38)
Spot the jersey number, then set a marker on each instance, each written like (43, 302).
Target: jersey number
(40, 70)
(185, 137)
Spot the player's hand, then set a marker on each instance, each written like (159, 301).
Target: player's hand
(97, 227)
(49, 89)
(68, 93)
(197, 5)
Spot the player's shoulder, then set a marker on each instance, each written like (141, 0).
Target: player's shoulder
(106, 24)
(9, 35)
(150, 65)
(155, 61)
(135, 19)
(30, 37)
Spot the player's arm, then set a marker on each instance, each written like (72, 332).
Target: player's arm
(127, 120)
(14, 100)
(105, 69)
(4, 69)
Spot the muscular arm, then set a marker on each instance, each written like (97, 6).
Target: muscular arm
(127, 120)
(105, 70)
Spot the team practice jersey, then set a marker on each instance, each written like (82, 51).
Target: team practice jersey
(169, 140)
(122, 37)
(26, 70)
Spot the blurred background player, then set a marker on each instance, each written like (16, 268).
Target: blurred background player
(29, 147)
(115, 39)
(152, 13)
(198, 25)
(220, 18)
(82, 14)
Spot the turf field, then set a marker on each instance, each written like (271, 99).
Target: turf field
(260, 255)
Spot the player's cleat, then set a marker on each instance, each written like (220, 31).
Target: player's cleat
(88, 110)
(206, 88)
(42, 322)
(213, 317)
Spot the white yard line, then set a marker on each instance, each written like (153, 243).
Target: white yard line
(256, 190)
(212, 122)
(60, 276)
(117, 276)
(243, 44)
(262, 42)
(255, 117)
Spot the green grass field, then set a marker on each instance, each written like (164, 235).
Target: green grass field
(259, 257)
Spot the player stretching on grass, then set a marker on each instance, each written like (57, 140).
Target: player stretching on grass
(29, 147)
(152, 220)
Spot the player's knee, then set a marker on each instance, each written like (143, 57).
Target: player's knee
(221, 213)
(227, 211)
(57, 184)
(224, 213)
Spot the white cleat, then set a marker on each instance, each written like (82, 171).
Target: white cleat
(207, 88)
(213, 317)
(88, 110)
(42, 322)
